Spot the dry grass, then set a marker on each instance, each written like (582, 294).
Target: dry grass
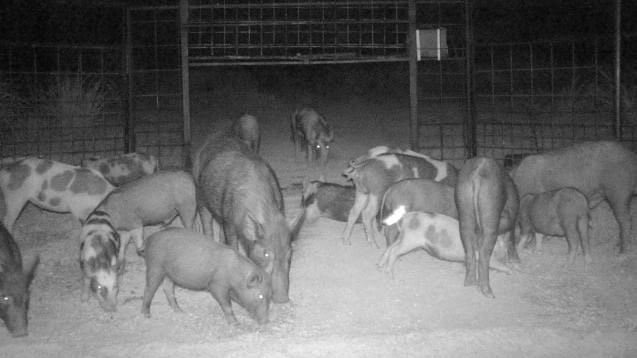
(74, 101)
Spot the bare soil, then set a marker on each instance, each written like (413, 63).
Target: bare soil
(341, 304)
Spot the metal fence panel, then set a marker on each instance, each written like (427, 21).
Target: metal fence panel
(61, 101)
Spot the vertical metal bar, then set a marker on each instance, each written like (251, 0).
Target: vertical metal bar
(129, 129)
(552, 67)
(185, 79)
(618, 71)
(572, 92)
(596, 87)
(413, 78)
(471, 130)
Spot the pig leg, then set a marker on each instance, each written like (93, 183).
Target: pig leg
(138, 238)
(231, 236)
(369, 219)
(154, 276)
(206, 222)
(620, 203)
(525, 237)
(222, 296)
(485, 250)
(582, 228)
(468, 230)
(217, 233)
(124, 238)
(187, 213)
(399, 248)
(169, 291)
(359, 203)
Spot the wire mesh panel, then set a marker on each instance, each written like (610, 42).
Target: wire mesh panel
(155, 83)
(302, 31)
(536, 96)
(62, 102)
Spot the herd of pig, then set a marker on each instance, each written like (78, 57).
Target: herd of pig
(480, 215)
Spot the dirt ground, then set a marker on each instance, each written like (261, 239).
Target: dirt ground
(341, 305)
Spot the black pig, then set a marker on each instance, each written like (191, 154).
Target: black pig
(14, 285)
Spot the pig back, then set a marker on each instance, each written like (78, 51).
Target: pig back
(236, 184)
(150, 200)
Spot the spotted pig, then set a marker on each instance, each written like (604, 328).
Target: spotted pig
(123, 168)
(50, 185)
(99, 260)
(437, 234)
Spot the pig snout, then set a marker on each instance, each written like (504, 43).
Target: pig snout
(323, 149)
(16, 321)
(280, 285)
(107, 299)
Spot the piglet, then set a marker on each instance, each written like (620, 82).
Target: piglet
(14, 285)
(193, 261)
(561, 212)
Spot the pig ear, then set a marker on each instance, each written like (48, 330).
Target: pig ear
(254, 279)
(29, 269)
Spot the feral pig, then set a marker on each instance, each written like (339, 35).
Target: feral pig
(416, 194)
(445, 170)
(151, 200)
(373, 176)
(561, 212)
(329, 200)
(487, 204)
(50, 185)
(220, 270)
(437, 234)
(246, 129)
(311, 130)
(242, 193)
(602, 170)
(14, 285)
(124, 168)
(99, 260)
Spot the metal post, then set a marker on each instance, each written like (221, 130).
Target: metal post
(618, 71)
(185, 79)
(413, 78)
(129, 129)
(471, 130)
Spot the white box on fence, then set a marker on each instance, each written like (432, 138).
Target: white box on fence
(431, 43)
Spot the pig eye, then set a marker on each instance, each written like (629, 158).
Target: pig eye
(318, 146)
(260, 297)
(5, 300)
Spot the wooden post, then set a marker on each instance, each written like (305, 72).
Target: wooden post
(185, 80)
(618, 69)
(413, 78)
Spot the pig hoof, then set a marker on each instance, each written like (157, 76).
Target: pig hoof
(487, 292)
(346, 241)
(146, 314)
(140, 252)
